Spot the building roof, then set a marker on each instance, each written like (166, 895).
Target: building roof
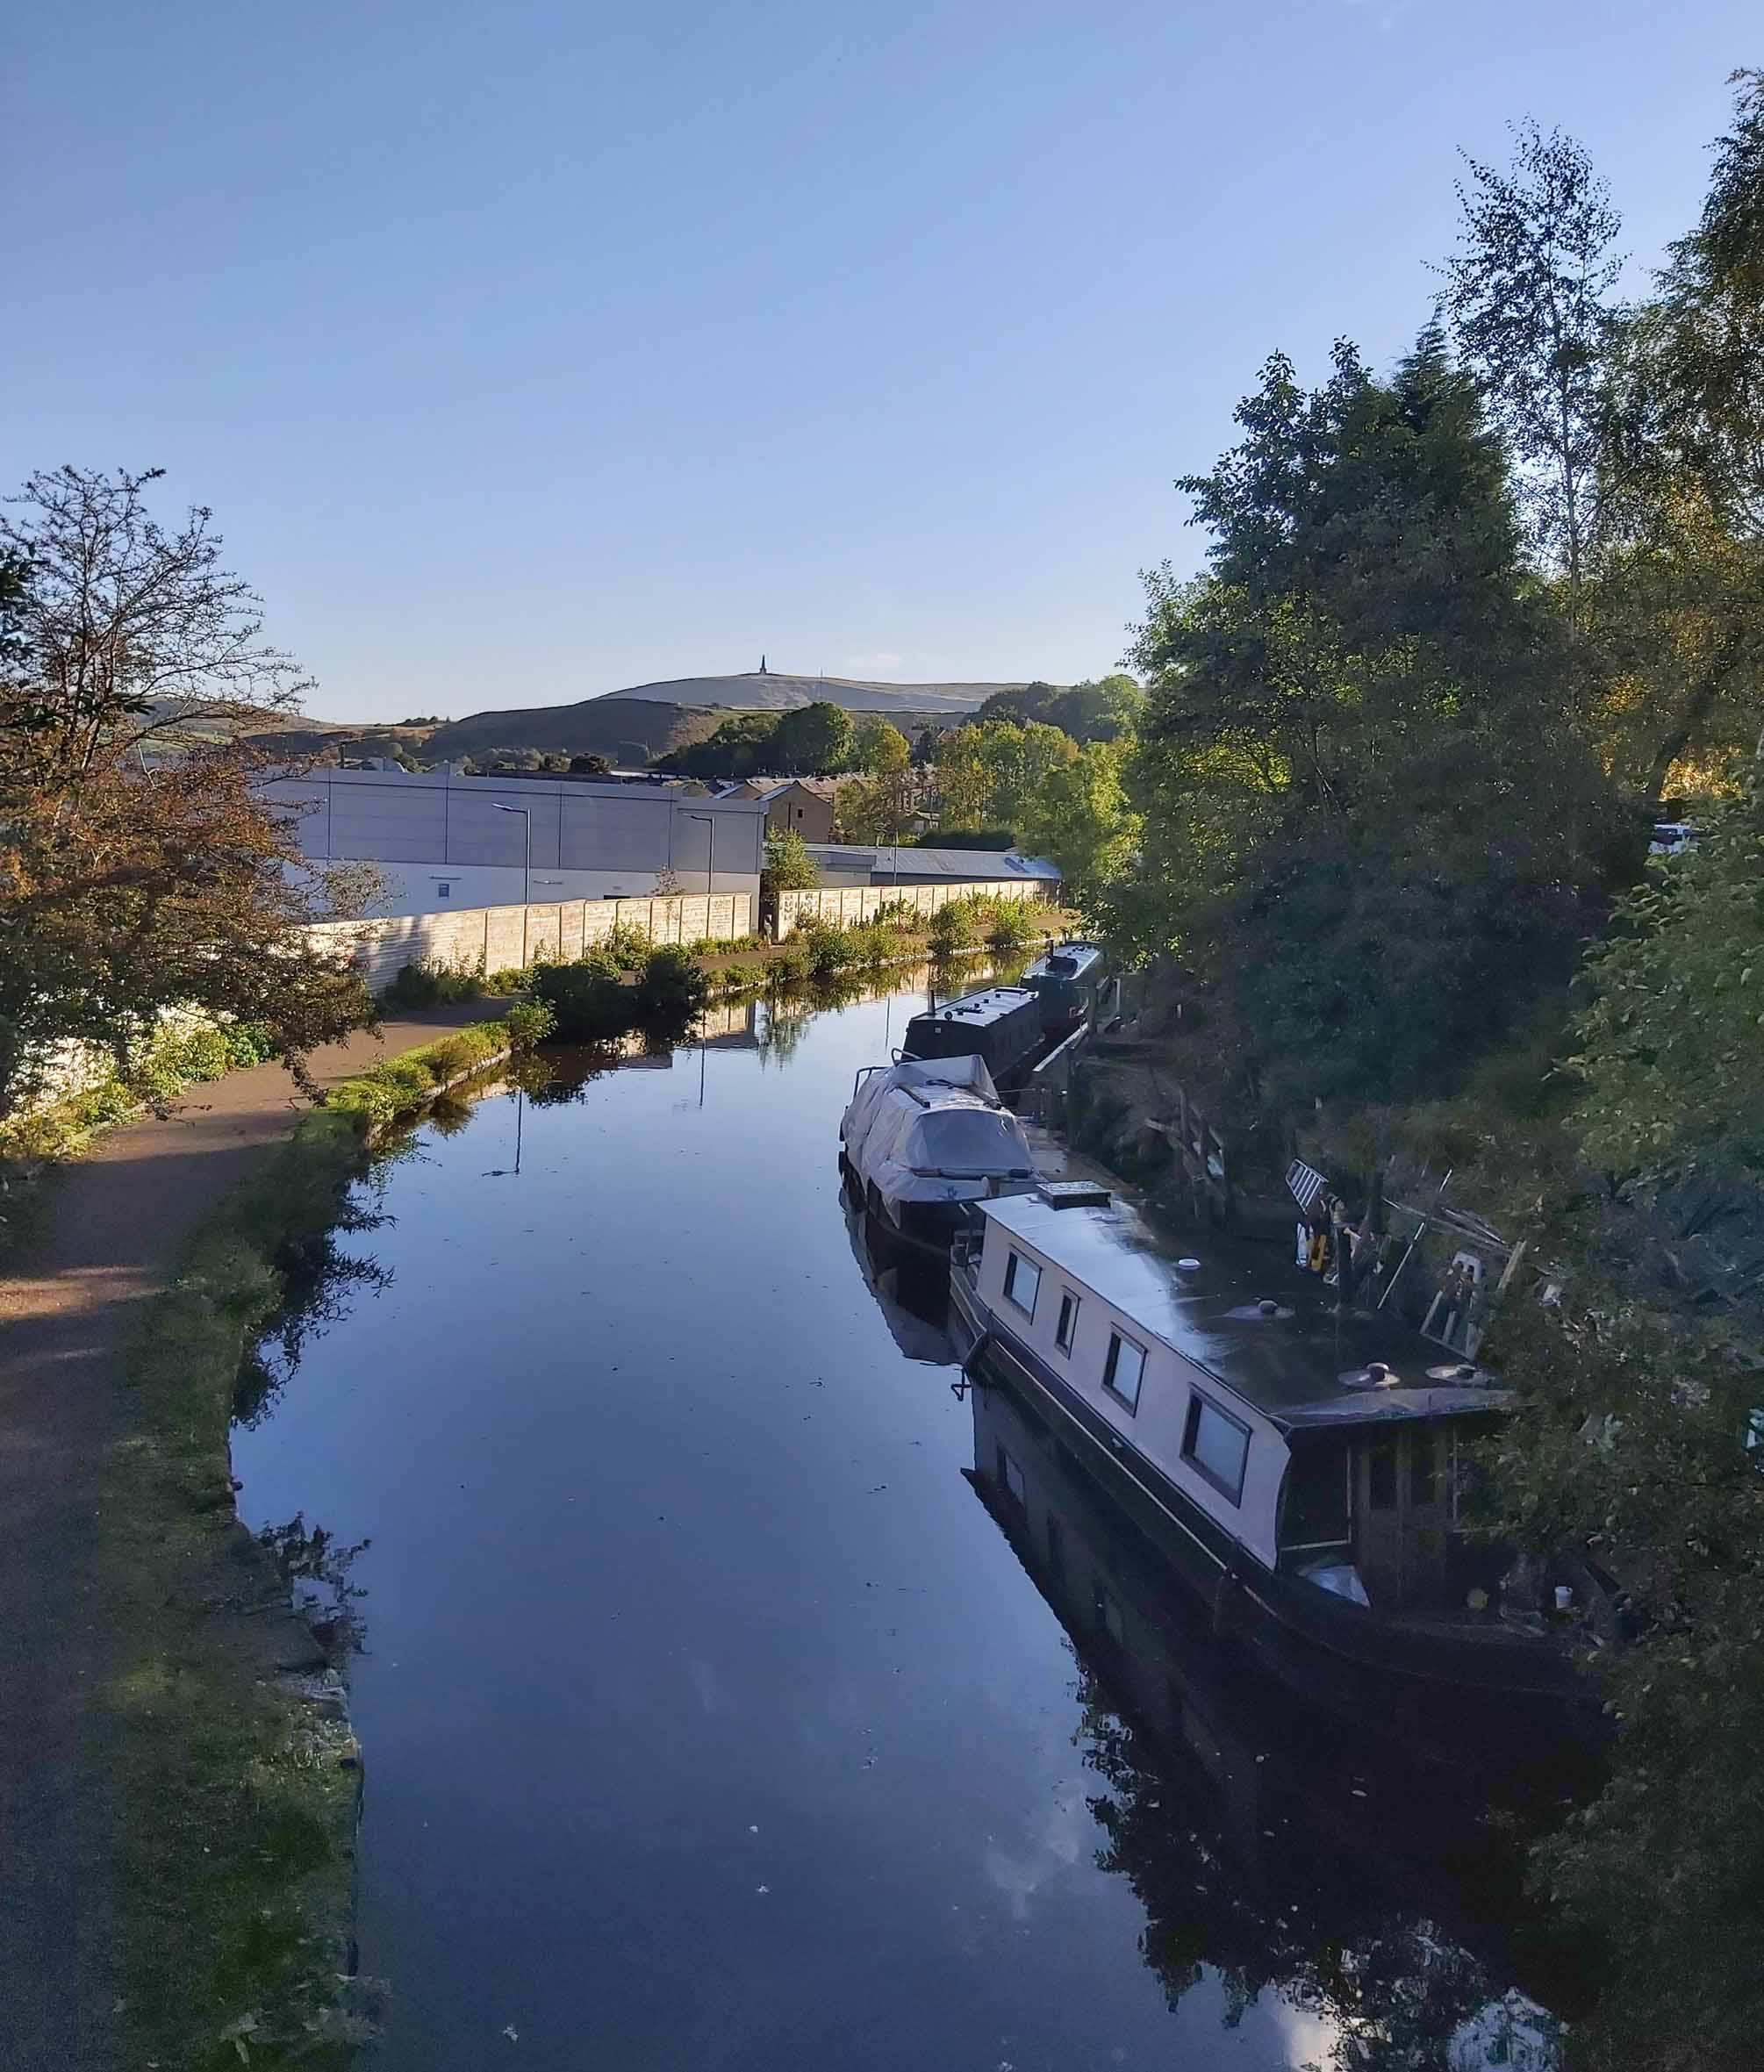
(1249, 1317)
(958, 864)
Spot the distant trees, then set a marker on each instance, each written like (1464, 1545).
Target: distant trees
(812, 740)
(788, 867)
(874, 808)
(140, 868)
(1103, 710)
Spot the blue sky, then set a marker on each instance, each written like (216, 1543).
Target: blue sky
(527, 350)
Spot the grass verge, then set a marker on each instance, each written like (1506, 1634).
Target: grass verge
(224, 1778)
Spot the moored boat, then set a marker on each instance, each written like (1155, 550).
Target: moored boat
(1000, 1025)
(924, 1137)
(1308, 1465)
(1067, 980)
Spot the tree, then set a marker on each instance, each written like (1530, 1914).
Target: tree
(882, 751)
(813, 740)
(1530, 299)
(1676, 610)
(1366, 824)
(990, 771)
(1083, 819)
(1637, 1437)
(789, 868)
(141, 870)
(590, 766)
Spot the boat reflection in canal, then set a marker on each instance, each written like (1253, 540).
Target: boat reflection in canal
(911, 1287)
(1274, 1848)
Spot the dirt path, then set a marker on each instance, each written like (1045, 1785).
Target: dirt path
(111, 1227)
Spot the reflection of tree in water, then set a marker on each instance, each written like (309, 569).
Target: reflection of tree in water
(319, 1281)
(316, 1568)
(1396, 1993)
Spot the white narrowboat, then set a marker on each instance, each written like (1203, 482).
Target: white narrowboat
(1305, 1465)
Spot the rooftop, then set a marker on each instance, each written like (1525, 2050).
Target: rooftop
(960, 865)
(1249, 1317)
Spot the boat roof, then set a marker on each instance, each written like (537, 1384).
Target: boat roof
(1264, 1329)
(1064, 960)
(979, 1008)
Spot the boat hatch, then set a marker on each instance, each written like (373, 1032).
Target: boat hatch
(1075, 1194)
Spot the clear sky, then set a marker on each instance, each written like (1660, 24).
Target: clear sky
(529, 349)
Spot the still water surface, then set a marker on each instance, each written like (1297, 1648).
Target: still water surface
(720, 1708)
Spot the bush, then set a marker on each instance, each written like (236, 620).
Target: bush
(1010, 926)
(588, 1001)
(829, 951)
(429, 985)
(672, 989)
(791, 966)
(528, 1023)
(900, 915)
(627, 946)
(953, 927)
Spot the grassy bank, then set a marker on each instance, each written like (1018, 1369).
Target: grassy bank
(223, 1779)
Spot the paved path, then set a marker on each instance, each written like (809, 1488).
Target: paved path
(111, 1227)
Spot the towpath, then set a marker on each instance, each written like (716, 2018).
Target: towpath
(110, 1229)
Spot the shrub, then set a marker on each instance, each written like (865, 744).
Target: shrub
(829, 951)
(627, 946)
(953, 927)
(588, 1001)
(1010, 926)
(672, 989)
(901, 916)
(426, 984)
(528, 1023)
(791, 966)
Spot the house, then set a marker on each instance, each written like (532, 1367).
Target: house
(796, 804)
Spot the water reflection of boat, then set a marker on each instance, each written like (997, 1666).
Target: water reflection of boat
(1284, 1849)
(1309, 1462)
(911, 1290)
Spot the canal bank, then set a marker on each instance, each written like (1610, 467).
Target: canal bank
(130, 1594)
(712, 1721)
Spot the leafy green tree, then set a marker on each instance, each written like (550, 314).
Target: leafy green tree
(1530, 300)
(788, 867)
(1638, 1437)
(813, 740)
(988, 773)
(740, 747)
(1082, 818)
(1366, 822)
(882, 751)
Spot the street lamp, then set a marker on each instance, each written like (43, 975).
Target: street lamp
(526, 812)
(710, 854)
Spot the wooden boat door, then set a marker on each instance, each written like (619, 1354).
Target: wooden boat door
(1402, 1515)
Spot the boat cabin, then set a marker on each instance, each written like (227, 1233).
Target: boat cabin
(1001, 1024)
(1323, 1444)
(1067, 980)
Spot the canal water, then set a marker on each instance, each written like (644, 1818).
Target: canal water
(736, 1697)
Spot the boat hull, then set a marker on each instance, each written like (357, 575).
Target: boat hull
(1332, 1652)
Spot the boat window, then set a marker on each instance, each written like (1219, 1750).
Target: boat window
(1125, 1369)
(1217, 1446)
(1381, 1476)
(968, 1140)
(1068, 1320)
(1011, 1477)
(1022, 1281)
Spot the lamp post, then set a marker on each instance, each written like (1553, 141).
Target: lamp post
(526, 812)
(710, 854)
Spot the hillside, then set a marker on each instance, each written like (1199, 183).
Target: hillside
(624, 730)
(773, 692)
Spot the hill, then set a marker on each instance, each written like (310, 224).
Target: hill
(623, 729)
(771, 691)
